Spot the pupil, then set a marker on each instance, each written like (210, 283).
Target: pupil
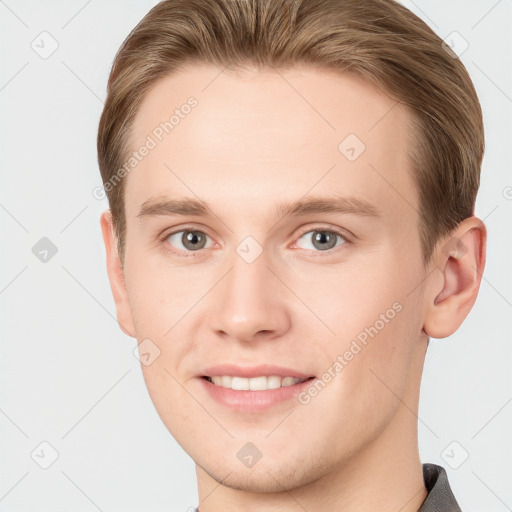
(193, 240)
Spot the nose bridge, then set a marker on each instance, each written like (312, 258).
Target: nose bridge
(248, 300)
(248, 284)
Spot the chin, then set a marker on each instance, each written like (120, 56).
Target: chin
(273, 475)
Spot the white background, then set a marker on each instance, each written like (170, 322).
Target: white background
(67, 373)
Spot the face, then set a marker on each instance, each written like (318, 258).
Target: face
(304, 262)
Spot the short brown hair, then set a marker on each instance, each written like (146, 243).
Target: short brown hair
(379, 40)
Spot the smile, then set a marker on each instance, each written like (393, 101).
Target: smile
(260, 383)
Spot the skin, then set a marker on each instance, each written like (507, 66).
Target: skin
(256, 140)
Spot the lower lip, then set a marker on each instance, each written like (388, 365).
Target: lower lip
(246, 400)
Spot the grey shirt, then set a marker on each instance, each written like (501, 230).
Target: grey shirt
(440, 497)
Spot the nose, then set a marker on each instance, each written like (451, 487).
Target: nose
(250, 303)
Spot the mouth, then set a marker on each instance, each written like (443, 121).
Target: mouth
(253, 389)
(253, 394)
(258, 383)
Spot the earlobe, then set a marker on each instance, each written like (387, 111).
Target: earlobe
(460, 259)
(116, 276)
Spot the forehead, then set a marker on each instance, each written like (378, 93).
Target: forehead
(270, 136)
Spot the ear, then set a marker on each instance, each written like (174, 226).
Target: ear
(116, 276)
(460, 258)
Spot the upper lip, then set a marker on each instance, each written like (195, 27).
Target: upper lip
(252, 371)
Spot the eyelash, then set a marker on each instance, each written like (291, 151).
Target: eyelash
(194, 254)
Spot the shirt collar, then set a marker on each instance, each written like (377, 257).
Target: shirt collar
(440, 497)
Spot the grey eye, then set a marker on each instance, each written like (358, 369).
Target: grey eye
(190, 240)
(322, 240)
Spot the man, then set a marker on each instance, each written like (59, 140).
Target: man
(238, 137)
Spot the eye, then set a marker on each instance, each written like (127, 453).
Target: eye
(188, 240)
(322, 239)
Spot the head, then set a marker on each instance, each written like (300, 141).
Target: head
(239, 136)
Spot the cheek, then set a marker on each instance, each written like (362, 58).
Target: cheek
(376, 322)
(350, 297)
(162, 302)
(178, 412)
(371, 371)
(159, 295)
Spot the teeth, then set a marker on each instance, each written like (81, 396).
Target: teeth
(239, 383)
(254, 383)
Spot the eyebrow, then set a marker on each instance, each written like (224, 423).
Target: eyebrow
(312, 205)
